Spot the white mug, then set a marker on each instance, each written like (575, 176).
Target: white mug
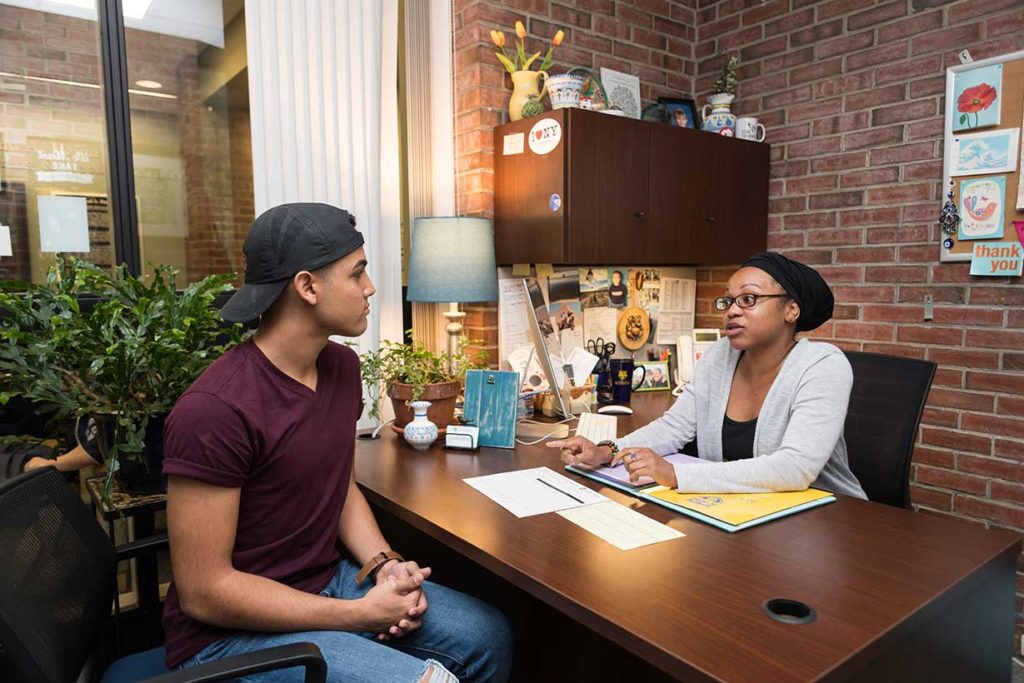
(747, 128)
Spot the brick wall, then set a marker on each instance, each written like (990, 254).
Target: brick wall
(852, 94)
(652, 39)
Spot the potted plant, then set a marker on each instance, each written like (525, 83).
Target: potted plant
(721, 120)
(411, 372)
(527, 91)
(118, 347)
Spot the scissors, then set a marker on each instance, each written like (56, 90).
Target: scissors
(603, 350)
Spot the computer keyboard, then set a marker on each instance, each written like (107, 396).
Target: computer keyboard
(597, 428)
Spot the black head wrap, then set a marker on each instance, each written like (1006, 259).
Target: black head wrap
(803, 283)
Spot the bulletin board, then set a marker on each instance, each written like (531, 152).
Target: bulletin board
(976, 131)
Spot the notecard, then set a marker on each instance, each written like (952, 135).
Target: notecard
(619, 525)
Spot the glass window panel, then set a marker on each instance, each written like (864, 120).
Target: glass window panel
(191, 144)
(53, 161)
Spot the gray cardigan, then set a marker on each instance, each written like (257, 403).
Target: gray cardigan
(798, 441)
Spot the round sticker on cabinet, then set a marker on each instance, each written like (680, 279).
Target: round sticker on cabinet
(545, 136)
(555, 202)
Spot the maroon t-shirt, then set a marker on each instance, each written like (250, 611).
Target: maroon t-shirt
(245, 424)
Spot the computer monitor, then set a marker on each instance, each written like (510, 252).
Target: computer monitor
(545, 341)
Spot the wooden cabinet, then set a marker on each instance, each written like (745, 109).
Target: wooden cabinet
(617, 190)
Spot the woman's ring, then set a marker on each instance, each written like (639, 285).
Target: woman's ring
(632, 456)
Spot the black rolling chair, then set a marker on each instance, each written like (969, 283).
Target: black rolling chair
(886, 403)
(56, 589)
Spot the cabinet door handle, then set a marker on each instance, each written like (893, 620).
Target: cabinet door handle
(639, 214)
(711, 219)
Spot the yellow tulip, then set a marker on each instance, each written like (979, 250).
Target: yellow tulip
(520, 29)
(498, 37)
(559, 37)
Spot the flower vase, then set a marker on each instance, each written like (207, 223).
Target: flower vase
(421, 432)
(721, 120)
(526, 89)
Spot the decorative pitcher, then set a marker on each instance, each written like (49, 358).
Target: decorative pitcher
(526, 87)
(721, 120)
(421, 432)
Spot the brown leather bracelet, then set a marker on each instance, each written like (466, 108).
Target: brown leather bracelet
(374, 564)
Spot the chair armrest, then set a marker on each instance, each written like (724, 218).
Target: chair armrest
(132, 549)
(306, 655)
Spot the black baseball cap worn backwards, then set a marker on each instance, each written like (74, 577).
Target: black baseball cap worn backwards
(283, 241)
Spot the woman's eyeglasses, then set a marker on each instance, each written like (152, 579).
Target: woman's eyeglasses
(723, 303)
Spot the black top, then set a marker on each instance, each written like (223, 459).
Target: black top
(737, 439)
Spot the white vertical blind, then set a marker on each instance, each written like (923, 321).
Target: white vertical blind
(323, 102)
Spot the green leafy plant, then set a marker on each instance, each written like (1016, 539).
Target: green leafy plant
(727, 82)
(130, 355)
(413, 364)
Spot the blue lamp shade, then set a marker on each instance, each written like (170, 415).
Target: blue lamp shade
(452, 260)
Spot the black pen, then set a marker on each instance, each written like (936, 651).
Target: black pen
(559, 490)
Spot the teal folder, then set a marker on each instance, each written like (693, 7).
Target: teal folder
(491, 405)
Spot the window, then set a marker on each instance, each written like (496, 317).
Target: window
(191, 152)
(191, 147)
(53, 162)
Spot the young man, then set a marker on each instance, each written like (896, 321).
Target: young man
(259, 458)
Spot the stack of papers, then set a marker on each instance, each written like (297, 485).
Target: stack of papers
(538, 490)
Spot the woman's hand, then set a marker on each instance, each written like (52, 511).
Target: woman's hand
(577, 450)
(643, 462)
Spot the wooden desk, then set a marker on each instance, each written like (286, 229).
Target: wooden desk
(898, 595)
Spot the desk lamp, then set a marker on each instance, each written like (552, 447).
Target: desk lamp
(452, 261)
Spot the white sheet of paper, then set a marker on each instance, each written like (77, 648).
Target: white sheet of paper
(619, 525)
(63, 223)
(601, 323)
(5, 241)
(534, 491)
(583, 363)
(513, 329)
(513, 144)
(678, 306)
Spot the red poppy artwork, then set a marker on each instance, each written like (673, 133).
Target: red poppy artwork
(977, 97)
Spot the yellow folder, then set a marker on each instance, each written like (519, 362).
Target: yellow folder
(734, 511)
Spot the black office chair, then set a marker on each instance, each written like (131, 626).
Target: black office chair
(57, 587)
(886, 403)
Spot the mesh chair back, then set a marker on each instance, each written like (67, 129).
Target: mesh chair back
(886, 403)
(56, 566)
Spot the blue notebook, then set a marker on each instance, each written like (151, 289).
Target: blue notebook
(490, 404)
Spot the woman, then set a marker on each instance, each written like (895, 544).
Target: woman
(766, 409)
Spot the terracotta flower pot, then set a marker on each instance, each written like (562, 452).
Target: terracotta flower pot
(442, 399)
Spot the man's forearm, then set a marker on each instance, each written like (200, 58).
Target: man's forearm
(255, 603)
(357, 527)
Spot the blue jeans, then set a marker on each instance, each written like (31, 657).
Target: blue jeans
(466, 636)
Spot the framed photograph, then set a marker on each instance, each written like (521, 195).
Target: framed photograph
(682, 112)
(655, 375)
(993, 151)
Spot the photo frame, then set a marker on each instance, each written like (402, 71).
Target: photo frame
(680, 108)
(656, 376)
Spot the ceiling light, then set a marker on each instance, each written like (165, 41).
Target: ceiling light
(152, 85)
